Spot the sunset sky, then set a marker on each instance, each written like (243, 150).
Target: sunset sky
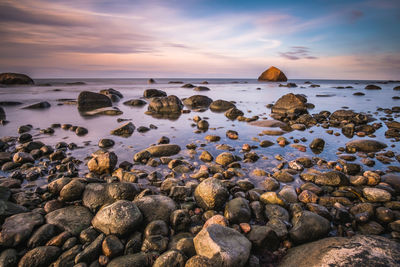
(326, 39)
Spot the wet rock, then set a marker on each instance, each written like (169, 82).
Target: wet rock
(237, 211)
(40, 105)
(197, 101)
(332, 178)
(180, 220)
(106, 143)
(288, 192)
(376, 194)
(112, 246)
(276, 211)
(263, 237)
(202, 125)
(283, 176)
(165, 105)
(233, 113)
(266, 143)
(225, 158)
(149, 93)
(211, 194)
(72, 191)
(164, 150)
(221, 105)
(187, 85)
(108, 111)
(200, 261)
(135, 102)
(342, 251)
(155, 207)
(102, 162)
(308, 227)
(9, 258)
(91, 252)
(206, 156)
(9, 78)
(16, 229)
(273, 74)
(201, 88)
(40, 256)
(89, 101)
(23, 157)
(124, 130)
(370, 228)
(118, 218)
(138, 259)
(372, 87)
(290, 105)
(223, 245)
(170, 258)
(72, 218)
(42, 235)
(8, 209)
(365, 145)
(272, 198)
(393, 180)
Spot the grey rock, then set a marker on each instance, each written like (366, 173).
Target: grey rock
(72, 218)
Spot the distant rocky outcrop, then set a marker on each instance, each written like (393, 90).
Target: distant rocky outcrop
(15, 78)
(273, 74)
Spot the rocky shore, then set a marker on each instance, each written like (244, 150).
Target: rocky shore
(101, 211)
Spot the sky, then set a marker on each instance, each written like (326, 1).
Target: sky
(320, 39)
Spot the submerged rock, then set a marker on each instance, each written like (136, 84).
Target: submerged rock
(40, 105)
(365, 145)
(273, 74)
(221, 105)
(15, 78)
(149, 93)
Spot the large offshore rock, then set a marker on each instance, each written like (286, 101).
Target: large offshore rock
(15, 78)
(273, 74)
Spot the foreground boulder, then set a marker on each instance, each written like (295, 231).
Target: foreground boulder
(211, 194)
(15, 78)
(309, 226)
(290, 105)
(165, 105)
(155, 207)
(365, 145)
(72, 218)
(273, 74)
(197, 101)
(89, 101)
(102, 162)
(358, 250)
(223, 245)
(40, 256)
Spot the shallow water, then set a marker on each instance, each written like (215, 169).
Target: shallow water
(250, 100)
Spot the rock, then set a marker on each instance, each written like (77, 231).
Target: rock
(72, 218)
(106, 143)
(124, 130)
(2, 114)
(225, 158)
(42, 235)
(309, 226)
(170, 258)
(9, 78)
(221, 105)
(206, 156)
(365, 145)
(376, 194)
(9, 258)
(72, 191)
(272, 198)
(135, 102)
(290, 105)
(91, 252)
(187, 85)
(151, 81)
(263, 237)
(164, 150)
(149, 93)
(112, 246)
(332, 178)
(16, 229)
(102, 162)
(109, 111)
(211, 194)
(237, 211)
(200, 261)
(283, 176)
(155, 207)
(393, 180)
(23, 157)
(138, 259)
(68, 257)
(357, 250)
(165, 105)
(233, 113)
(276, 211)
(40, 256)
(272, 74)
(222, 244)
(89, 101)
(8, 209)
(119, 218)
(203, 125)
(201, 88)
(197, 101)
(372, 87)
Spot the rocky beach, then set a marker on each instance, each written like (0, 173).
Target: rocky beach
(199, 172)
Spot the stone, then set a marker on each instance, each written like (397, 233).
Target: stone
(222, 244)
(124, 130)
(201, 88)
(393, 180)
(272, 198)
(163, 150)
(112, 246)
(23, 157)
(72, 218)
(317, 144)
(149, 93)
(332, 178)
(8, 209)
(376, 194)
(200, 261)
(102, 162)
(309, 226)
(155, 207)
(106, 143)
(91, 252)
(221, 105)
(365, 145)
(211, 194)
(119, 218)
(170, 258)
(276, 211)
(357, 250)
(263, 237)
(197, 101)
(225, 158)
(233, 113)
(290, 104)
(135, 102)
(90, 100)
(165, 105)
(16, 229)
(237, 211)
(40, 256)
(8, 258)
(9, 78)
(372, 87)
(272, 74)
(72, 191)
(138, 259)
(283, 176)
(206, 156)
(42, 235)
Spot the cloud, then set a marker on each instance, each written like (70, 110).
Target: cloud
(297, 52)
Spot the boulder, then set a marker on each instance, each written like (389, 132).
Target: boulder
(163, 150)
(89, 101)
(15, 78)
(135, 102)
(233, 113)
(332, 178)
(138, 259)
(221, 105)
(365, 145)
(211, 194)
(393, 180)
(119, 218)
(40, 256)
(273, 74)
(309, 226)
(155, 207)
(149, 93)
(201, 88)
(72, 218)
(222, 244)
(290, 104)
(40, 105)
(372, 87)
(102, 162)
(238, 211)
(376, 195)
(197, 101)
(124, 130)
(18, 228)
(165, 105)
(2, 114)
(354, 251)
